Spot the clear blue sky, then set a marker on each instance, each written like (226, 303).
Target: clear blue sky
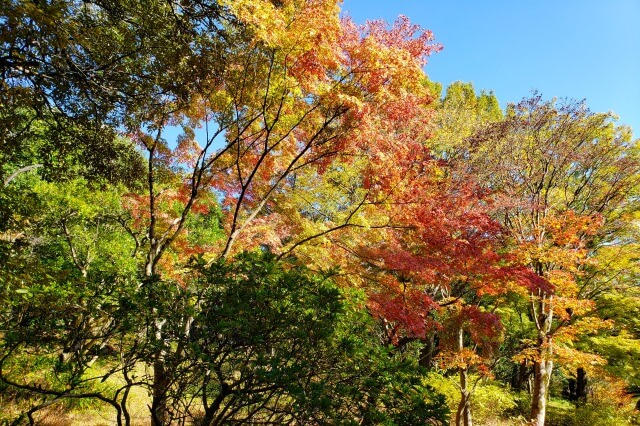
(581, 49)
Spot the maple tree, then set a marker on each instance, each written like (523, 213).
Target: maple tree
(432, 245)
(440, 270)
(423, 248)
(557, 254)
(286, 88)
(277, 120)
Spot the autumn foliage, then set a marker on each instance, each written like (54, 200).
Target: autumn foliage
(275, 216)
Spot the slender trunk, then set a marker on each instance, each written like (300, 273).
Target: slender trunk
(542, 369)
(581, 385)
(160, 384)
(161, 378)
(542, 310)
(463, 414)
(541, 379)
(519, 376)
(427, 352)
(159, 401)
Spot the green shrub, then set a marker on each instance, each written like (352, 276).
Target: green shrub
(489, 401)
(594, 413)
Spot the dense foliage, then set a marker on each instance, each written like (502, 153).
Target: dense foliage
(220, 212)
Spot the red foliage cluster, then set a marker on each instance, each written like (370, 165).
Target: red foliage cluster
(406, 312)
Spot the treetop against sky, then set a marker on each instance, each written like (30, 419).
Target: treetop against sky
(575, 49)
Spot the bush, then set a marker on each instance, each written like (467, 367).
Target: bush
(489, 401)
(275, 342)
(596, 413)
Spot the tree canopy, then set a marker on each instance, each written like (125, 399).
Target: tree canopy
(329, 239)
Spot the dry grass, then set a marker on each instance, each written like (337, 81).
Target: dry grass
(101, 415)
(81, 412)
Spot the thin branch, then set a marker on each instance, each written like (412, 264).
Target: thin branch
(21, 170)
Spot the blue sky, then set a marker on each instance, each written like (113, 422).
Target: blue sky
(581, 49)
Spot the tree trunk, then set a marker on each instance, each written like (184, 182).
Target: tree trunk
(571, 390)
(159, 401)
(542, 370)
(542, 311)
(463, 415)
(581, 385)
(427, 352)
(519, 376)
(161, 380)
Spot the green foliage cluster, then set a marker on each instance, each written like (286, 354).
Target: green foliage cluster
(285, 346)
(491, 400)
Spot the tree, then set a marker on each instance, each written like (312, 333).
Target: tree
(288, 101)
(562, 175)
(439, 276)
(284, 87)
(436, 268)
(458, 115)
